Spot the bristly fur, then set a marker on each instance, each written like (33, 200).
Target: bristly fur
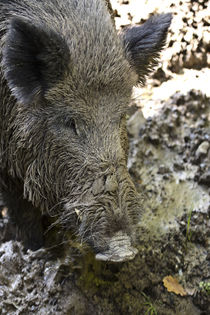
(66, 79)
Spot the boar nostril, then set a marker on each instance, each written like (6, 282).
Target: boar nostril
(111, 183)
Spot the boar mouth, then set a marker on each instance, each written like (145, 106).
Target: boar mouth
(119, 249)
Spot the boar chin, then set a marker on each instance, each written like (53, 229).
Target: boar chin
(119, 249)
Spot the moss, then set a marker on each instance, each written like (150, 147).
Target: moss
(205, 287)
(93, 275)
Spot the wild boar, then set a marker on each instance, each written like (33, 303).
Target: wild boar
(66, 79)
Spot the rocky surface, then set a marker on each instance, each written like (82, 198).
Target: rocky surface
(169, 131)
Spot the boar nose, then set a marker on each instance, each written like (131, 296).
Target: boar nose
(119, 249)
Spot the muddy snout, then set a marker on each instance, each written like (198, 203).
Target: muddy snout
(119, 249)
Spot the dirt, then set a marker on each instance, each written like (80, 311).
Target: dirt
(169, 131)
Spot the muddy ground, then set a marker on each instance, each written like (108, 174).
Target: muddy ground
(169, 131)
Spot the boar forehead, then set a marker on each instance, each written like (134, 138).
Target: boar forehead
(91, 104)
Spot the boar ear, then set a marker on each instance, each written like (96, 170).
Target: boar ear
(144, 43)
(34, 59)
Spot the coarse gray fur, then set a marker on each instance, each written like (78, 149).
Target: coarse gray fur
(66, 79)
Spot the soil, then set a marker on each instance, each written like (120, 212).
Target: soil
(169, 131)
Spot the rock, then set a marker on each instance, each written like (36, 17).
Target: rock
(163, 169)
(205, 179)
(202, 149)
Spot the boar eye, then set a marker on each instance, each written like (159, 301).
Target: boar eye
(71, 124)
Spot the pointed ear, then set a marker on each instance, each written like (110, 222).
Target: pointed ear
(34, 58)
(144, 43)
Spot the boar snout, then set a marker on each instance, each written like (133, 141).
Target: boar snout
(119, 249)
